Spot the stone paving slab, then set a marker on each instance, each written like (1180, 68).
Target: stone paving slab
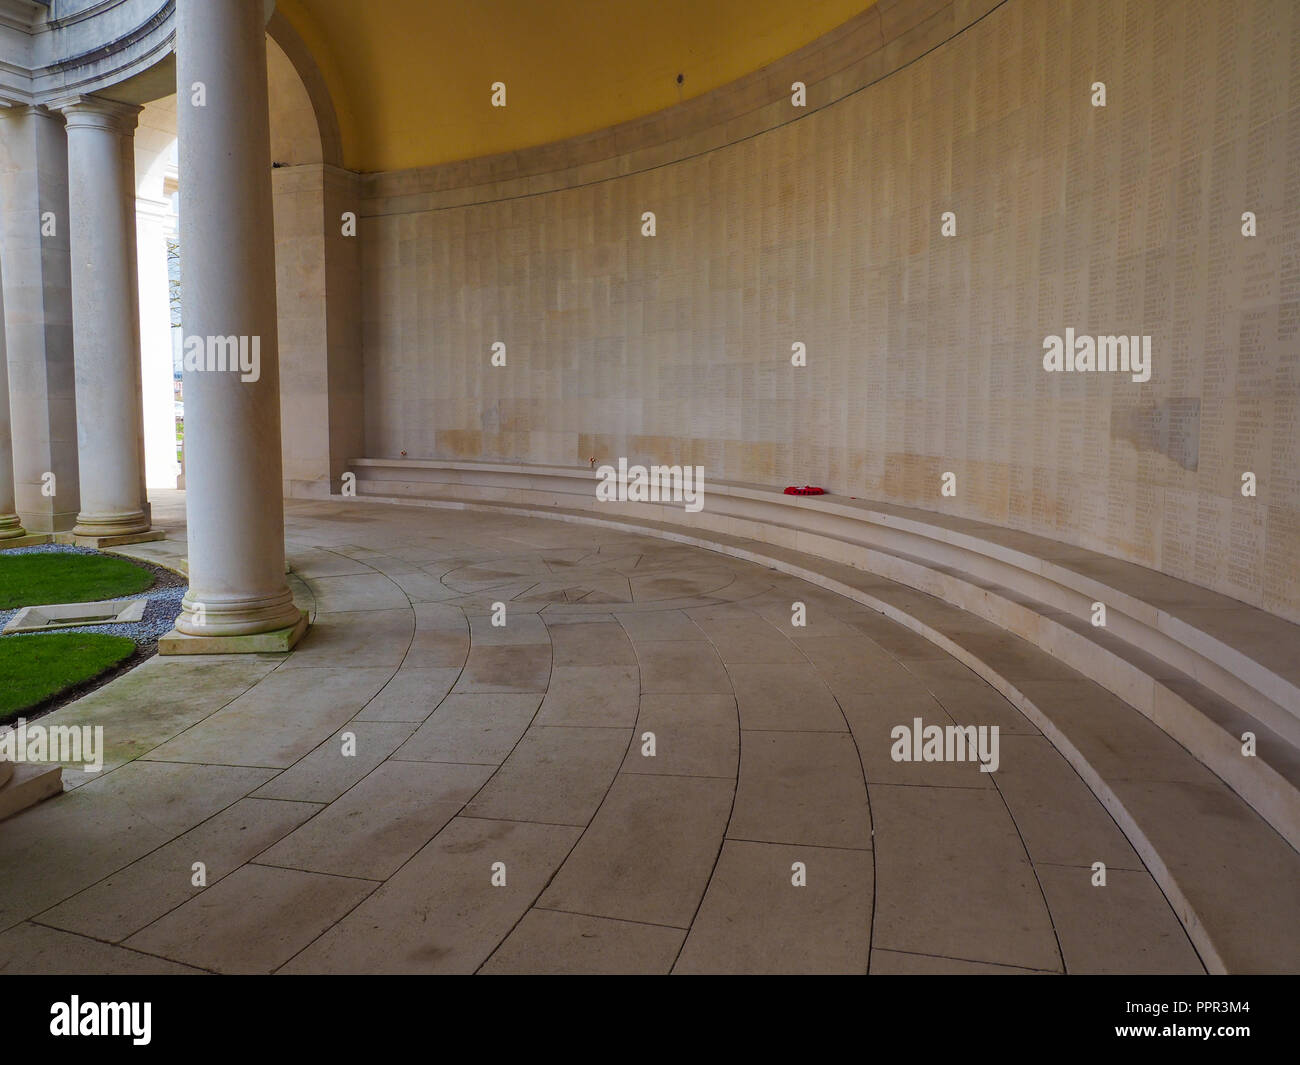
(558, 775)
(578, 642)
(477, 729)
(411, 695)
(786, 697)
(375, 826)
(801, 787)
(253, 920)
(441, 913)
(1058, 818)
(278, 721)
(648, 853)
(658, 625)
(992, 910)
(516, 668)
(591, 695)
(900, 963)
(67, 843)
(149, 705)
(694, 735)
(32, 950)
(354, 638)
(1127, 919)
(754, 919)
(338, 763)
(150, 887)
(873, 716)
(550, 942)
(681, 666)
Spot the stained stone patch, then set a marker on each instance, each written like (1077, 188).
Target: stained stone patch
(591, 578)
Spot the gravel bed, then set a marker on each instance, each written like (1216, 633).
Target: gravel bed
(159, 615)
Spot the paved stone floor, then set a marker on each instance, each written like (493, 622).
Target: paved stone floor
(499, 814)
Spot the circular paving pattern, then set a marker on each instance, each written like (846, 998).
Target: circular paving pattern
(518, 745)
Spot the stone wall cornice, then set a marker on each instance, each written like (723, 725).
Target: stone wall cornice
(87, 51)
(123, 42)
(23, 15)
(312, 175)
(57, 18)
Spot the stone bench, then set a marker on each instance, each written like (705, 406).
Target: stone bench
(1150, 709)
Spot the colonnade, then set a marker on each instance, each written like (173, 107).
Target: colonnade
(71, 423)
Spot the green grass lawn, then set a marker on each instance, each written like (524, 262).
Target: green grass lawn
(31, 580)
(35, 667)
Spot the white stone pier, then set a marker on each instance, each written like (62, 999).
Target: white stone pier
(238, 598)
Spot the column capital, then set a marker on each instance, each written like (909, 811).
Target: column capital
(17, 108)
(98, 112)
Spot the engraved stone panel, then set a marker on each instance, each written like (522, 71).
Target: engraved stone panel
(924, 351)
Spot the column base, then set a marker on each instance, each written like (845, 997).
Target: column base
(27, 785)
(79, 539)
(277, 641)
(111, 523)
(11, 527)
(27, 540)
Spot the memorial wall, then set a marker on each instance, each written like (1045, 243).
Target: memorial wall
(926, 228)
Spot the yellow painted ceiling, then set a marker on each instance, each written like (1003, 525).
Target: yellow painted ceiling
(411, 79)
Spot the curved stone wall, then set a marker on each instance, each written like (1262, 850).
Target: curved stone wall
(924, 352)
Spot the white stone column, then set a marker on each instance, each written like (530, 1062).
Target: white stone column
(10, 525)
(38, 316)
(234, 500)
(105, 317)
